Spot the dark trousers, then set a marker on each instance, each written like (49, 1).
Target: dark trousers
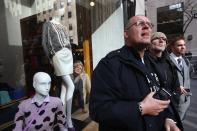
(79, 94)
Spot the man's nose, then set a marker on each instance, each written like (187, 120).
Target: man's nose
(146, 26)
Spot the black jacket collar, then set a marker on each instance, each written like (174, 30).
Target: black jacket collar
(130, 56)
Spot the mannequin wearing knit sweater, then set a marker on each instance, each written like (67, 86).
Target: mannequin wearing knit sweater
(40, 111)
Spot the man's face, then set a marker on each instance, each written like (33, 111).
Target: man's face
(179, 48)
(138, 32)
(158, 44)
(42, 86)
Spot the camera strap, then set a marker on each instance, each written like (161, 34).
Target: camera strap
(152, 78)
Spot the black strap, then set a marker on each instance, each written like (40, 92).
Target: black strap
(151, 76)
(138, 65)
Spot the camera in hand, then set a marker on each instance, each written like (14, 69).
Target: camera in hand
(162, 94)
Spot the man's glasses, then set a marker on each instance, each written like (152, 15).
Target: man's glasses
(141, 24)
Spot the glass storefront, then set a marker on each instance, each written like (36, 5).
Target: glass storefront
(94, 27)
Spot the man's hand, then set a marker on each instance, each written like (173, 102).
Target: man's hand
(152, 106)
(170, 125)
(183, 91)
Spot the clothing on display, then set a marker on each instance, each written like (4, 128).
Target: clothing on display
(57, 47)
(51, 109)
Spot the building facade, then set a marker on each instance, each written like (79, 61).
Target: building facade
(175, 17)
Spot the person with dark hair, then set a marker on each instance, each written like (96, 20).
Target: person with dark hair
(124, 84)
(178, 49)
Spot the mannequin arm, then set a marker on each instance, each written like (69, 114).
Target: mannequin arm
(61, 118)
(45, 38)
(19, 118)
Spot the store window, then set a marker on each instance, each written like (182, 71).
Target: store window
(90, 29)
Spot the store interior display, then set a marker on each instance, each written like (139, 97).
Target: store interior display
(24, 39)
(34, 57)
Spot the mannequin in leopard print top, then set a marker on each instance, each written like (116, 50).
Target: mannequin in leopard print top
(40, 112)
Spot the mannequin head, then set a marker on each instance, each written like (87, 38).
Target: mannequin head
(42, 83)
(59, 7)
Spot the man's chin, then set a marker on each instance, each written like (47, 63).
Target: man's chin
(142, 46)
(160, 49)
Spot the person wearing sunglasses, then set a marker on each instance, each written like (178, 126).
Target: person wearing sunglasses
(123, 83)
(165, 69)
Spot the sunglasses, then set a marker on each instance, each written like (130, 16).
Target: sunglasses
(160, 38)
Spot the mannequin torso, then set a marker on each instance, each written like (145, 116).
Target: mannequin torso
(56, 19)
(39, 112)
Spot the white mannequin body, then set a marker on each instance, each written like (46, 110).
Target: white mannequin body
(67, 88)
(66, 96)
(42, 85)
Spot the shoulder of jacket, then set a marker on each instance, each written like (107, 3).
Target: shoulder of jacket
(169, 59)
(111, 59)
(114, 53)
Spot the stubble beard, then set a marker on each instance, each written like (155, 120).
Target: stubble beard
(142, 46)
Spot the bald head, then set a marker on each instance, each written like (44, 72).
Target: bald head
(132, 20)
(138, 32)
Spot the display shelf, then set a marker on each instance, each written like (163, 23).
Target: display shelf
(3, 106)
(8, 111)
(6, 125)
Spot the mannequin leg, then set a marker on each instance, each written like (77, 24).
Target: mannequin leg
(69, 96)
(63, 94)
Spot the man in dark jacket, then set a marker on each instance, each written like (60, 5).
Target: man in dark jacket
(165, 69)
(123, 85)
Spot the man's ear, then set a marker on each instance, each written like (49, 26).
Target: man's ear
(125, 34)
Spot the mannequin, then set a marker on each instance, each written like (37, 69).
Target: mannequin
(58, 49)
(39, 112)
